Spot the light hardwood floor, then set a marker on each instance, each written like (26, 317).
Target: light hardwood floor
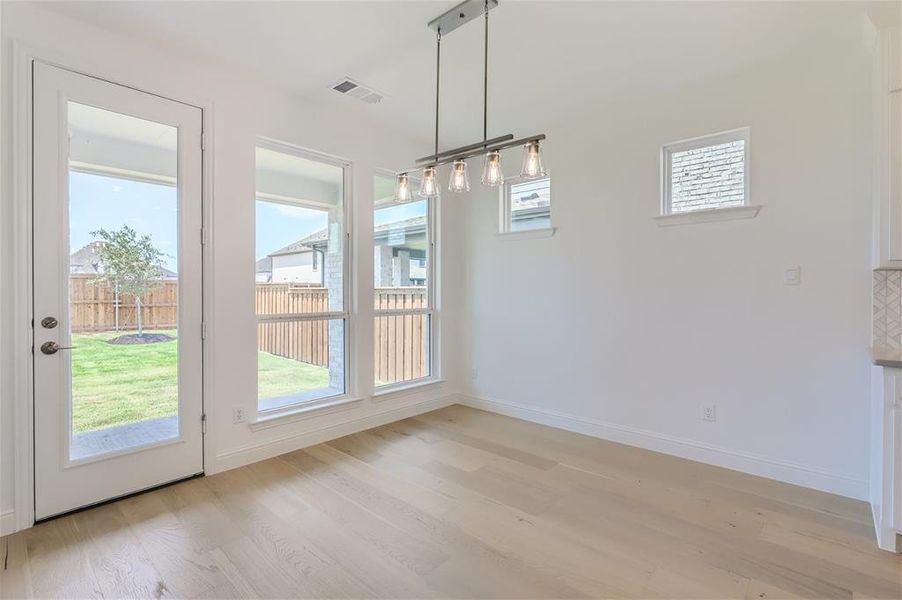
(461, 503)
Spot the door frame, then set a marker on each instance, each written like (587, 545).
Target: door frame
(21, 308)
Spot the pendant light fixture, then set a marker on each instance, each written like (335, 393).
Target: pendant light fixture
(429, 185)
(491, 173)
(491, 149)
(460, 182)
(403, 193)
(532, 162)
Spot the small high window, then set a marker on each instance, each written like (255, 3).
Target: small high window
(525, 204)
(706, 173)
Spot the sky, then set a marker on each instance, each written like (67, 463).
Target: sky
(96, 201)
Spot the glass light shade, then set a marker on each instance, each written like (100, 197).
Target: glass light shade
(491, 174)
(460, 182)
(403, 193)
(532, 162)
(429, 185)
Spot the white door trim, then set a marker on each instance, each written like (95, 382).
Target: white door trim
(20, 309)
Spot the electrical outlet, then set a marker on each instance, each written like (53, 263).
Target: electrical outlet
(474, 374)
(238, 415)
(709, 413)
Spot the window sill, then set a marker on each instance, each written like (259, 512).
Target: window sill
(527, 235)
(709, 216)
(300, 412)
(385, 392)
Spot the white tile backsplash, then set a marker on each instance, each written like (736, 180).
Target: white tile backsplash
(888, 309)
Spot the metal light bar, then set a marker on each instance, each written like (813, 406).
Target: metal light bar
(478, 151)
(426, 160)
(460, 15)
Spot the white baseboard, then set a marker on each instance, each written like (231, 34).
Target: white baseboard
(7, 522)
(887, 538)
(251, 453)
(781, 470)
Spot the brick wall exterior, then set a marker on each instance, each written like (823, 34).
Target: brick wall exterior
(710, 177)
(334, 259)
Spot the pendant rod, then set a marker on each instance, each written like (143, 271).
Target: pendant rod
(438, 70)
(478, 149)
(485, 78)
(433, 157)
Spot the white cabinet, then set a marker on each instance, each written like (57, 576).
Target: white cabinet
(886, 456)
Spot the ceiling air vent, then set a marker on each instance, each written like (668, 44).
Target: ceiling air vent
(349, 87)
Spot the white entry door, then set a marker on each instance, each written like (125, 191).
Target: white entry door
(117, 290)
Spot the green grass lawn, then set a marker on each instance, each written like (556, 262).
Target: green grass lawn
(278, 376)
(118, 384)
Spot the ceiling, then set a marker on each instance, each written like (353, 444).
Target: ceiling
(547, 59)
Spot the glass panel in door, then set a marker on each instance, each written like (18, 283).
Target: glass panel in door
(123, 219)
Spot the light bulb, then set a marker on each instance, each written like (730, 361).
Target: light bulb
(403, 192)
(460, 182)
(532, 162)
(429, 185)
(491, 174)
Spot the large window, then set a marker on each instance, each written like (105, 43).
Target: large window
(403, 255)
(706, 173)
(301, 274)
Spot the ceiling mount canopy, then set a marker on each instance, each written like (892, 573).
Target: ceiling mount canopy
(492, 174)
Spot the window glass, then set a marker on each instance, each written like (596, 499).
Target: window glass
(530, 204)
(300, 273)
(402, 246)
(706, 173)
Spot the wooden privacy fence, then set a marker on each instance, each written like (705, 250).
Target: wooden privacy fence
(400, 341)
(92, 306)
(306, 341)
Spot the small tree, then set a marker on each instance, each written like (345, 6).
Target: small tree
(129, 263)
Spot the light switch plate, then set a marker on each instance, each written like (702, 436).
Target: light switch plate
(792, 276)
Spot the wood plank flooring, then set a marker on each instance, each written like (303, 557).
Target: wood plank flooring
(466, 504)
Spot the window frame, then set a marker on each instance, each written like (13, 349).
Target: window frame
(430, 309)
(504, 209)
(704, 141)
(345, 314)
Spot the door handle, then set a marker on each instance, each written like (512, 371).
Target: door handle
(53, 347)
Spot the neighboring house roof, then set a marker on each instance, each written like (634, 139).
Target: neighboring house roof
(86, 261)
(411, 225)
(298, 247)
(319, 239)
(264, 265)
(316, 239)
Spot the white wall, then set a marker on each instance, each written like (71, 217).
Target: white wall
(242, 109)
(622, 329)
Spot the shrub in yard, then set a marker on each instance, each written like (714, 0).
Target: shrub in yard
(130, 264)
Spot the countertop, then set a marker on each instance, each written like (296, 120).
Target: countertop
(887, 357)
